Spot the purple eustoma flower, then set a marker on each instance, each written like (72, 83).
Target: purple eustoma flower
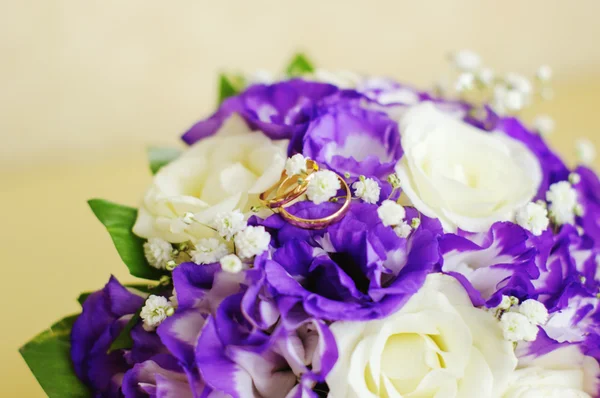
(489, 265)
(105, 314)
(347, 138)
(355, 269)
(279, 110)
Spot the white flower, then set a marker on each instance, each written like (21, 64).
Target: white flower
(155, 310)
(544, 125)
(464, 176)
(295, 165)
(465, 82)
(562, 373)
(231, 263)
(563, 199)
(261, 76)
(158, 252)
(391, 213)
(252, 241)
(367, 189)
(229, 223)
(507, 100)
(486, 76)
(437, 344)
(535, 311)
(323, 186)
(217, 174)
(544, 73)
(533, 217)
(208, 251)
(403, 229)
(505, 303)
(585, 151)
(466, 60)
(516, 327)
(519, 83)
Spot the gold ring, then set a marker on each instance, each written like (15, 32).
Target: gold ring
(298, 181)
(319, 223)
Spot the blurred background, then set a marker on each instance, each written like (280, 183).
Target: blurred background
(86, 86)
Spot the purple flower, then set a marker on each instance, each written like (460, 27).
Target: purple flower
(279, 110)
(347, 138)
(355, 269)
(588, 190)
(489, 265)
(236, 359)
(105, 314)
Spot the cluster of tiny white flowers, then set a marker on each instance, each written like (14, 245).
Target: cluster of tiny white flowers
(208, 251)
(367, 189)
(585, 151)
(251, 241)
(158, 252)
(519, 322)
(295, 165)
(533, 217)
(231, 263)
(323, 186)
(393, 215)
(466, 60)
(516, 327)
(544, 125)
(563, 203)
(155, 311)
(229, 223)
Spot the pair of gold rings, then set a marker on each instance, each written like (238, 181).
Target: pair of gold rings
(288, 189)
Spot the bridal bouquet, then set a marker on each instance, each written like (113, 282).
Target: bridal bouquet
(336, 235)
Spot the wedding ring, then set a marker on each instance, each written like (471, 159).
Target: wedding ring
(288, 188)
(319, 223)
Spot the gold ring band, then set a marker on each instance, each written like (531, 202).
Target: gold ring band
(285, 182)
(319, 223)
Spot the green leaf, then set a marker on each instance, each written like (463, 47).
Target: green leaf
(119, 221)
(48, 357)
(124, 340)
(299, 65)
(230, 85)
(159, 157)
(142, 287)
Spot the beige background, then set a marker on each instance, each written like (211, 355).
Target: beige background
(86, 85)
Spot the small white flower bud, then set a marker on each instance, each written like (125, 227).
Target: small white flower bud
(544, 73)
(231, 263)
(585, 151)
(415, 222)
(252, 241)
(535, 311)
(208, 251)
(323, 186)
(533, 217)
(391, 213)
(465, 82)
(563, 199)
(367, 189)
(544, 125)
(155, 311)
(158, 252)
(295, 165)
(403, 230)
(229, 223)
(466, 60)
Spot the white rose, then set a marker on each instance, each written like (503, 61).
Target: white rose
(562, 373)
(438, 344)
(466, 177)
(218, 174)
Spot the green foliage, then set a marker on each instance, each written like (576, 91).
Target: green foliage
(230, 85)
(299, 65)
(119, 221)
(159, 157)
(48, 357)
